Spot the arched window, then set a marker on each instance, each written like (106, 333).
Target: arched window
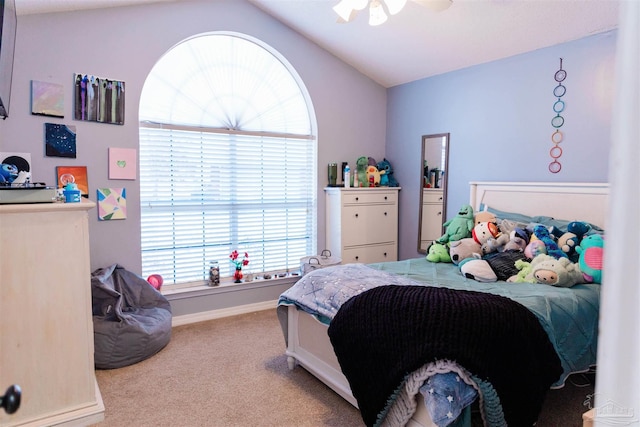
(227, 160)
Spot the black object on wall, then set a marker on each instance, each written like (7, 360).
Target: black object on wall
(8, 25)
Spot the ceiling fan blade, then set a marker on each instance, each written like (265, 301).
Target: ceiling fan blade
(435, 5)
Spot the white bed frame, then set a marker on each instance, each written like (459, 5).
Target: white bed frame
(308, 343)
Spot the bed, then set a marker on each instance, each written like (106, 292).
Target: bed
(571, 329)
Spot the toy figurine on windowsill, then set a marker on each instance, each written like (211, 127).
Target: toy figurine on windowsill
(239, 263)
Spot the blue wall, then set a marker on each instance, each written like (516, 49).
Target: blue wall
(499, 116)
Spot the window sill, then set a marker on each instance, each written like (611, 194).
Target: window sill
(194, 290)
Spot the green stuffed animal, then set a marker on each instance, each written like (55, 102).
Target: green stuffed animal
(458, 227)
(360, 173)
(438, 252)
(525, 275)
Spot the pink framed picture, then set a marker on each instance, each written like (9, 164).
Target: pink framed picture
(122, 163)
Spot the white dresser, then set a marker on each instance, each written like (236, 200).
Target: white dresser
(362, 224)
(431, 216)
(46, 326)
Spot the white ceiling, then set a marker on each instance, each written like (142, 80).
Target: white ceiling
(419, 42)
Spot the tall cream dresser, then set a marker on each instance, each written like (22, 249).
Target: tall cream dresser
(46, 327)
(431, 216)
(362, 224)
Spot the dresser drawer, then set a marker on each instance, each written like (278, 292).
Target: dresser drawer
(369, 224)
(370, 254)
(430, 196)
(364, 197)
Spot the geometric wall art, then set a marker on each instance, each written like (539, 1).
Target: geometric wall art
(47, 99)
(98, 100)
(122, 163)
(60, 140)
(112, 203)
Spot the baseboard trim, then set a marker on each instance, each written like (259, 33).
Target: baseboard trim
(187, 319)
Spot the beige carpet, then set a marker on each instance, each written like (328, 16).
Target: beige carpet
(232, 372)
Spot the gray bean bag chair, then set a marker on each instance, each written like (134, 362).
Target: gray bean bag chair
(131, 319)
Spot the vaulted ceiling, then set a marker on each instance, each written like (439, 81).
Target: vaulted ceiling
(419, 42)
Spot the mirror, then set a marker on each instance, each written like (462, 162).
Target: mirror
(433, 189)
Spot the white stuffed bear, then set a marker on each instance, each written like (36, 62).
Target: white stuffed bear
(484, 231)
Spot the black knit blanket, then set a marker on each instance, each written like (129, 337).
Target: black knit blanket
(385, 333)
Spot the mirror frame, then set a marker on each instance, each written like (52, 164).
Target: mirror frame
(443, 182)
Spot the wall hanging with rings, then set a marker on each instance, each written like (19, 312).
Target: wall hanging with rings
(557, 121)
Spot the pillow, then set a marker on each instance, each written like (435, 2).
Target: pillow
(562, 224)
(511, 216)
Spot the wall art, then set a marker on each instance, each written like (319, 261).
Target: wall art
(59, 140)
(122, 163)
(112, 203)
(22, 161)
(558, 120)
(98, 99)
(73, 174)
(47, 99)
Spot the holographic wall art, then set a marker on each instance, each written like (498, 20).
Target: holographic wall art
(47, 99)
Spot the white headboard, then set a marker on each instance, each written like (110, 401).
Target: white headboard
(567, 200)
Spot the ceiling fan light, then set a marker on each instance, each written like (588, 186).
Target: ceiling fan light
(435, 5)
(345, 11)
(395, 6)
(359, 4)
(376, 13)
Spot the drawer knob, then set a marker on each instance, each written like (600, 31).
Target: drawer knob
(357, 257)
(439, 213)
(385, 214)
(385, 197)
(440, 198)
(385, 254)
(356, 215)
(357, 199)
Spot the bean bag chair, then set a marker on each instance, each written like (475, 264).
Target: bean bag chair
(131, 319)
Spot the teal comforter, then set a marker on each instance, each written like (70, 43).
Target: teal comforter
(568, 315)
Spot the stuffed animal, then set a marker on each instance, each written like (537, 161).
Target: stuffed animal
(360, 174)
(438, 252)
(458, 227)
(484, 231)
(518, 240)
(579, 228)
(459, 250)
(591, 250)
(568, 240)
(485, 216)
(561, 272)
(495, 244)
(534, 248)
(524, 274)
(542, 233)
(497, 266)
(373, 176)
(567, 243)
(386, 174)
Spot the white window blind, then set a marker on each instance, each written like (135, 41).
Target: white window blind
(205, 190)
